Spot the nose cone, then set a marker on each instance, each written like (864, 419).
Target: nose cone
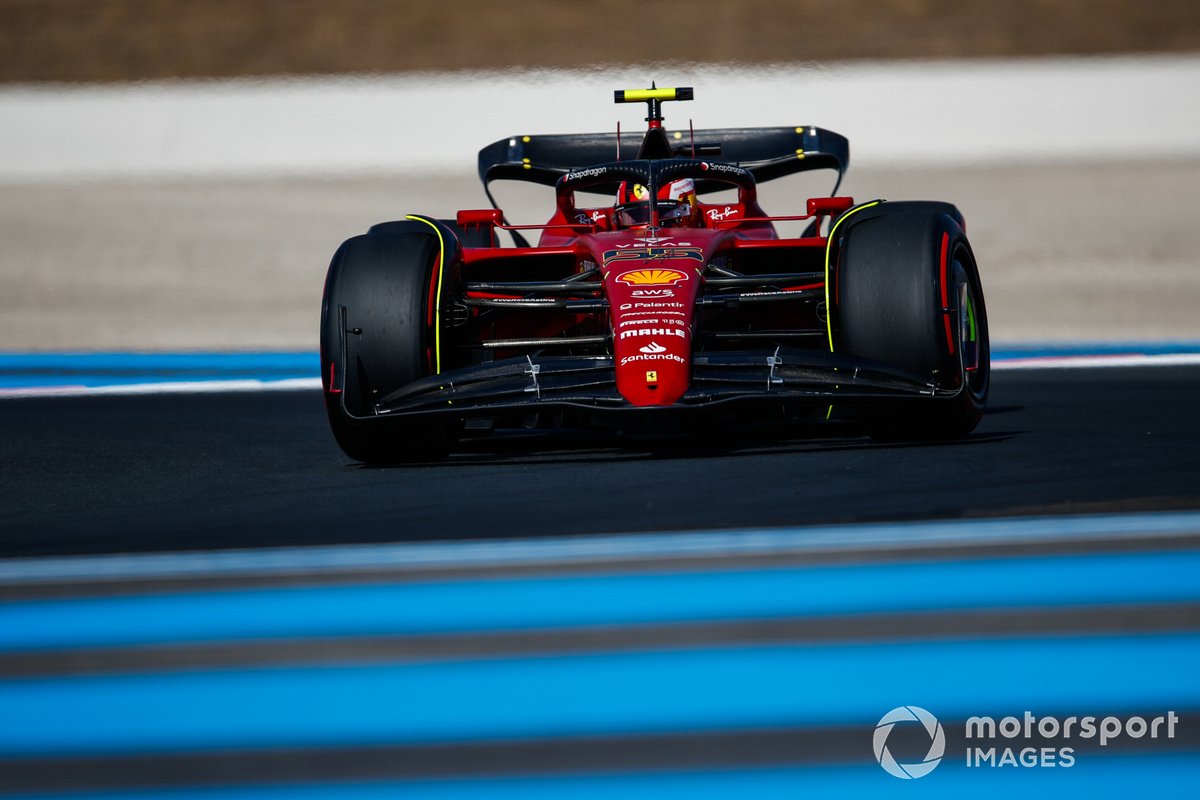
(652, 302)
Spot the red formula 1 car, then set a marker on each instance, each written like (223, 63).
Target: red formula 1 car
(641, 306)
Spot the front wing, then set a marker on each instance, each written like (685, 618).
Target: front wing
(585, 385)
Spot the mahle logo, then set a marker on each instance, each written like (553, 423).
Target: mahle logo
(937, 745)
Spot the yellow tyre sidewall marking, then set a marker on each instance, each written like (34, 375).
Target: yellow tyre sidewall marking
(828, 251)
(437, 311)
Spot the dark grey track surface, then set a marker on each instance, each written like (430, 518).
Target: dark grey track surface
(168, 472)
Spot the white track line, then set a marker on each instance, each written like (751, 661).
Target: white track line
(1091, 362)
(176, 387)
(661, 547)
(296, 384)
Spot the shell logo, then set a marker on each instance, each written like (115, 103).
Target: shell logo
(652, 277)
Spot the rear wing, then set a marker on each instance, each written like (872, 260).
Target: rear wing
(767, 153)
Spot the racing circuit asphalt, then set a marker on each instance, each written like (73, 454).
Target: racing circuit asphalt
(187, 472)
(647, 677)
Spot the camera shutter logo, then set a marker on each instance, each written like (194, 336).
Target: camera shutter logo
(937, 746)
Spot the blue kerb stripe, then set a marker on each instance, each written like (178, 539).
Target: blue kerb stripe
(176, 362)
(118, 369)
(1158, 775)
(309, 360)
(19, 370)
(606, 694)
(459, 606)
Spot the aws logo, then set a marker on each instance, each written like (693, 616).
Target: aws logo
(652, 277)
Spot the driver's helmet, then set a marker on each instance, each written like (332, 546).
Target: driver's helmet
(676, 205)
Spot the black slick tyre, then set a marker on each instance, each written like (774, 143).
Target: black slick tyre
(908, 294)
(377, 335)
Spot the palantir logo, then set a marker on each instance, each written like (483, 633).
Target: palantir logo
(937, 746)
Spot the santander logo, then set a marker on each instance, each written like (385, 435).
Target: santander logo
(653, 348)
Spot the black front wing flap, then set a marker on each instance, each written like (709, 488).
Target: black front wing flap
(586, 385)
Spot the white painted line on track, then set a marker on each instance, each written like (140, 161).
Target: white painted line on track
(664, 547)
(174, 387)
(1091, 362)
(298, 384)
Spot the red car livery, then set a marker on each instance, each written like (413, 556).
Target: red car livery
(640, 305)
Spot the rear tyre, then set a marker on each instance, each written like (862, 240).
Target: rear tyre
(909, 294)
(377, 335)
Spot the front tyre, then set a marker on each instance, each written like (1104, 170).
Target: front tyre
(909, 294)
(378, 333)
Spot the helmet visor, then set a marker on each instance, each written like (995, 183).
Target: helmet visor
(670, 212)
